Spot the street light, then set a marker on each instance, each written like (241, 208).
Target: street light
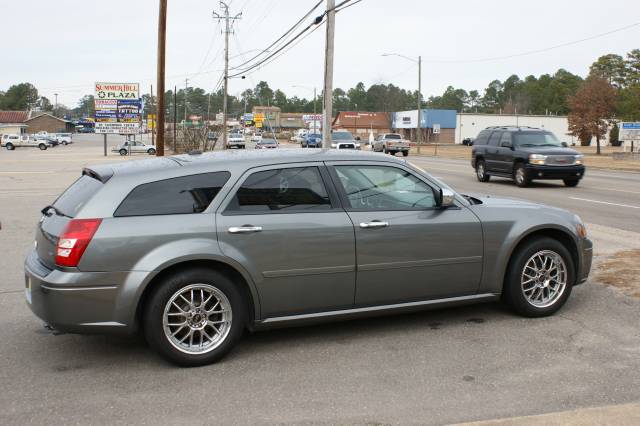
(419, 62)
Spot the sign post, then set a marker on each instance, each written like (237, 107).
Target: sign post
(629, 132)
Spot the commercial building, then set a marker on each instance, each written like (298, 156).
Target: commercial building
(363, 123)
(437, 125)
(291, 121)
(12, 122)
(42, 121)
(266, 116)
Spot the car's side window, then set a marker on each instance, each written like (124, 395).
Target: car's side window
(370, 187)
(506, 139)
(482, 138)
(299, 189)
(495, 138)
(181, 195)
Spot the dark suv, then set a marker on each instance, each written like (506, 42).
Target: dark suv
(524, 154)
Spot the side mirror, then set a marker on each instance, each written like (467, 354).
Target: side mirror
(506, 145)
(564, 144)
(447, 198)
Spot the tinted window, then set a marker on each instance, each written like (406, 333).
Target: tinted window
(506, 139)
(384, 188)
(495, 138)
(77, 195)
(533, 139)
(341, 136)
(482, 138)
(296, 189)
(393, 136)
(182, 195)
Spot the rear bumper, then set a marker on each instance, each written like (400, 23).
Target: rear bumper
(555, 172)
(78, 302)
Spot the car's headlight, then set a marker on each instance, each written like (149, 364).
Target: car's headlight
(537, 159)
(579, 159)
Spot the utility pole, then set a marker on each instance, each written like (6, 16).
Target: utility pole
(162, 37)
(55, 109)
(175, 116)
(419, 128)
(327, 99)
(186, 86)
(227, 31)
(314, 102)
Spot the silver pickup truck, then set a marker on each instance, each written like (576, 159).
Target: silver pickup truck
(13, 141)
(391, 143)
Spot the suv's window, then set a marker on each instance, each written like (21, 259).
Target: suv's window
(384, 188)
(181, 195)
(482, 138)
(506, 139)
(533, 139)
(341, 136)
(298, 189)
(495, 137)
(77, 195)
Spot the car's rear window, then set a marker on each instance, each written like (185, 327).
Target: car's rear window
(77, 195)
(181, 195)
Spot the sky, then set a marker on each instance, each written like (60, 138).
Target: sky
(65, 46)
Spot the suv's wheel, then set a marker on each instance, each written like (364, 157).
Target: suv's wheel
(195, 317)
(10, 147)
(405, 153)
(539, 278)
(571, 182)
(42, 147)
(481, 171)
(151, 151)
(520, 176)
(123, 151)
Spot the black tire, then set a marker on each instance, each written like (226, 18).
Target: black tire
(481, 171)
(154, 312)
(405, 153)
(571, 182)
(385, 150)
(513, 294)
(520, 176)
(64, 143)
(151, 151)
(10, 147)
(42, 147)
(123, 151)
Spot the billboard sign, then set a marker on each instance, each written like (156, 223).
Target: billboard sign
(629, 132)
(308, 118)
(118, 108)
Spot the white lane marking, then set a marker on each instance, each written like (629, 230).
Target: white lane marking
(611, 189)
(605, 202)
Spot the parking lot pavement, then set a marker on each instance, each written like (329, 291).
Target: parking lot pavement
(450, 365)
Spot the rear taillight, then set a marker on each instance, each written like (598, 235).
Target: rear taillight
(74, 241)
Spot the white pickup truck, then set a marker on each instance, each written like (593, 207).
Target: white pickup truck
(391, 143)
(136, 147)
(13, 141)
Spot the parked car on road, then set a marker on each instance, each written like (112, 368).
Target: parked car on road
(195, 249)
(49, 138)
(266, 144)
(13, 141)
(64, 138)
(467, 142)
(391, 143)
(313, 140)
(135, 147)
(524, 154)
(256, 137)
(342, 139)
(235, 140)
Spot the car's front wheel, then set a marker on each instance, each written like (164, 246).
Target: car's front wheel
(571, 182)
(123, 151)
(520, 176)
(151, 151)
(42, 147)
(481, 171)
(540, 277)
(195, 317)
(10, 147)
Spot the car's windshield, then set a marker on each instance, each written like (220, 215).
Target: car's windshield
(535, 139)
(314, 135)
(341, 136)
(392, 136)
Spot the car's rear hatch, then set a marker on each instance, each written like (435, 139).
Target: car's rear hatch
(56, 216)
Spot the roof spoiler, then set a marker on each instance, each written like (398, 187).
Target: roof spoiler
(103, 174)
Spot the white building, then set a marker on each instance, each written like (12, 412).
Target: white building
(468, 125)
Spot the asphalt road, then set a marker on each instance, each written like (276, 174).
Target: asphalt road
(451, 365)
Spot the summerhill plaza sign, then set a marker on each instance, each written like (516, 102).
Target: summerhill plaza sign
(118, 107)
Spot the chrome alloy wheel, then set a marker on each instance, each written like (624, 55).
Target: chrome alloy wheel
(520, 177)
(480, 171)
(544, 278)
(197, 319)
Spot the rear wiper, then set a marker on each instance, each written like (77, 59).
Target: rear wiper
(47, 212)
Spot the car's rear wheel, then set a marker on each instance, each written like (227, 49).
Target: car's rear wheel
(42, 147)
(481, 171)
(540, 277)
(571, 182)
(151, 151)
(195, 317)
(123, 151)
(520, 176)
(10, 147)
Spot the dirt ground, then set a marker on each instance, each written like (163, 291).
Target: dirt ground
(622, 271)
(603, 161)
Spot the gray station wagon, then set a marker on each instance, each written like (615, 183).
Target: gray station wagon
(196, 249)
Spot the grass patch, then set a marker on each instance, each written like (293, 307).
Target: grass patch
(622, 270)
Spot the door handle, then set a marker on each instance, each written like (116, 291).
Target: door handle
(374, 224)
(244, 229)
